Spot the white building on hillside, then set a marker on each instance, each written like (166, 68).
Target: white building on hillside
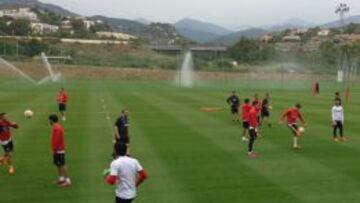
(115, 35)
(21, 13)
(291, 38)
(324, 33)
(43, 28)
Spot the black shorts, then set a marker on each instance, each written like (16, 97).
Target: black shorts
(246, 124)
(234, 109)
(123, 139)
(293, 128)
(265, 113)
(62, 107)
(119, 200)
(59, 160)
(9, 147)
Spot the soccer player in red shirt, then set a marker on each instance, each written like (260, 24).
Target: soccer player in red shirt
(62, 100)
(253, 129)
(246, 107)
(58, 149)
(6, 141)
(292, 115)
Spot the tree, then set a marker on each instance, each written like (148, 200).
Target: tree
(33, 47)
(20, 27)
(246, 50)
(4, 28)
(329, 52)
(78, 25)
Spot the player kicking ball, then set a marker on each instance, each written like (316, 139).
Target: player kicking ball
(7, 142)
(337, 113)
(292, 115)
(58, 149)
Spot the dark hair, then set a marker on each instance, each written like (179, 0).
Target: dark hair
(298, 106)
(337, 93)
(54, 118)
(247, 101)
(255, 103)
(120, 149)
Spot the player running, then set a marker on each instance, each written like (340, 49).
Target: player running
(126, 173)
(253, 130)
(62, 100)
(292, 116)
(121, 128)
(337, 113)
(6, 141)
(58, 149)
(234, 102)
(265, 110)
(246, 107)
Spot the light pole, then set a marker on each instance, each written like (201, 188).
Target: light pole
(342, 9)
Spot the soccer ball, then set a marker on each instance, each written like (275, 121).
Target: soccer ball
(28, 114)
(301, 129)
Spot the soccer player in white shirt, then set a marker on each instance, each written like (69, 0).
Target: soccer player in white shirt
(126, 173)
(338, 120)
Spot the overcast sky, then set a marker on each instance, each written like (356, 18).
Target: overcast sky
(228, 13)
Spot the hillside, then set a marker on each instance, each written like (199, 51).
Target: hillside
(200, 31)
(335, 24)
(36, 4)
(289, 24)
(123, 25)
(232, 38)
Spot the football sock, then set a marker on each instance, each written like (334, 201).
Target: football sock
(295, 141)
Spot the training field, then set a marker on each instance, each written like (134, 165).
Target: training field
(190, 155)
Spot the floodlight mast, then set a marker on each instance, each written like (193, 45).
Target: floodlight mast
(342, 9)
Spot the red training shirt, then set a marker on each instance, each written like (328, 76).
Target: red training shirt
(5, 132)
(253, 118)
(292, 115)
(62, 98)
(57, 139)
(245, 111)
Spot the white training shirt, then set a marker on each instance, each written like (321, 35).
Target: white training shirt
(337, 114)
(126, 169)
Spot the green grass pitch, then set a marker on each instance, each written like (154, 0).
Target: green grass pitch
(190, 155)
